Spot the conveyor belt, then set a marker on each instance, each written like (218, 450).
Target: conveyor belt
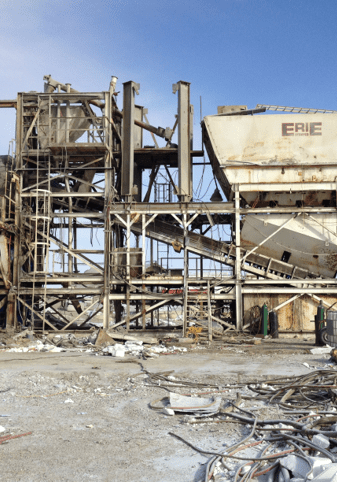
(222, 252)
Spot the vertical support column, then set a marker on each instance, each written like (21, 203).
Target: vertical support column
(201, 261)
(191, 111)
(129, 89)
(184, 141)
(238, 293)
(18, 132)
(138, 144)
(106, 288)
(58, 117)
(138, 180)
(143, 268)
(70, 201)
(67, 123)
(107, 223)
(186, 274)
(209, 312)
(11, 312)
(128, 270)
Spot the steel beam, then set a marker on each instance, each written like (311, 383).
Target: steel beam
(289, 186)
(174, 208)
(184, 141)
(307, 290)
(238, 293)
(127, 165)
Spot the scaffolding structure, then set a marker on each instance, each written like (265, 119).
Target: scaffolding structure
(78, 169)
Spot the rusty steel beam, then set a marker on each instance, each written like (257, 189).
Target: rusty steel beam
(6, 104)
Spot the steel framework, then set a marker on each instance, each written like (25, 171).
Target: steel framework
(79, 166)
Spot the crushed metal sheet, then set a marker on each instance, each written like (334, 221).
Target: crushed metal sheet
(181, 403)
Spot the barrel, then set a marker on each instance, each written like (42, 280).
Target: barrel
(273, 323)
(331, 327)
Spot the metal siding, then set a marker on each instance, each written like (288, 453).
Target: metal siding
(259, 139)
(252, 150)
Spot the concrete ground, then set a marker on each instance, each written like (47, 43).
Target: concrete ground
(90, 419)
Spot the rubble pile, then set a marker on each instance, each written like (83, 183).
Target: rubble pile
(97, 343)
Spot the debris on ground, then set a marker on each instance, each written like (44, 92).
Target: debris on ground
(322, 350)
(263, 410)
(103, 339)
(299, 444)
(205, 406)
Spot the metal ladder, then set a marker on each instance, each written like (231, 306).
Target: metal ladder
(199, 310)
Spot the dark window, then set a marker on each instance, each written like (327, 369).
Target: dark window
(285, 256)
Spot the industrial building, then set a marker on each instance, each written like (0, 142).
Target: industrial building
(75, 178)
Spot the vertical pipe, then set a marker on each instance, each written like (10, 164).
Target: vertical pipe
(238, 294)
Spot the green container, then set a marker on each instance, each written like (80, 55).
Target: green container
(264, 323)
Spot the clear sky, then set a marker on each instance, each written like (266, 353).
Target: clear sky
(232, 51)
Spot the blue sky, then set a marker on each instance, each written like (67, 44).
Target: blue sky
(232, 51)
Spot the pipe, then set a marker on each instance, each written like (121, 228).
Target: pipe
(159, 131)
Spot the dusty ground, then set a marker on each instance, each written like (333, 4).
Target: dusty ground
(90, 418)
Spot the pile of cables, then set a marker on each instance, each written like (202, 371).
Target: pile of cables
(309, 404)
(317, 389)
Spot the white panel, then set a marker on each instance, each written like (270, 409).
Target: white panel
(311, 241)
(273, 139)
